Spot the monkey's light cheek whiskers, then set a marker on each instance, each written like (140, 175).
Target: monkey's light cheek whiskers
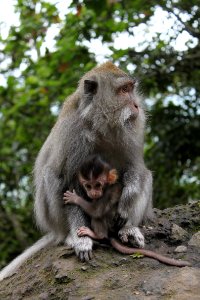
(125, 115)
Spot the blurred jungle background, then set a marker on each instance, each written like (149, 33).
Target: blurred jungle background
(43, 55)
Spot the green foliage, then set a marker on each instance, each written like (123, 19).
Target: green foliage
(38, 79)
(173, 153)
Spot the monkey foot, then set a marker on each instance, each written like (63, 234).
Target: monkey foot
(81, 245)
(132, 234)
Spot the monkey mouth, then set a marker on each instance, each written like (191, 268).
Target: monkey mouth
(96, 197)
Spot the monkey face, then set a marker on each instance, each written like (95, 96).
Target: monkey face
(94, 189)
(110, 101)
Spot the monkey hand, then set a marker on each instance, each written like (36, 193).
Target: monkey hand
(71, 197)
(131, 234)
(85, 231)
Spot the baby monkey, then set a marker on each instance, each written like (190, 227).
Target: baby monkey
(102, 190)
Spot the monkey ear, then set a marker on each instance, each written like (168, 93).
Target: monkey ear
(90, 87)
(112, 176)
(81, 179)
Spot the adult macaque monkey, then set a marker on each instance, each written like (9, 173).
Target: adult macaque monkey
(104, 116)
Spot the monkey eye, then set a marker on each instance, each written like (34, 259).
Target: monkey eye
(126, 88)
(88, 186)
(97, 185)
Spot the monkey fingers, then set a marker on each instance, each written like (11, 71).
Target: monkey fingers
(86, 231)
(68, 194)
(70, 198)
(81, 231)
(67, 201)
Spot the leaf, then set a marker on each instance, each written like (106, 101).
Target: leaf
(137, 255)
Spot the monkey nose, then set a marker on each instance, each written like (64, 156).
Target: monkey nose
(134, 105)
(134, 108)
(95, 196)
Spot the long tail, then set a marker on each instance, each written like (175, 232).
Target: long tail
(164, 259)
(19, 260)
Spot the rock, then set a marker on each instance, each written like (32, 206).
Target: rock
(195, 240)
(88, 298)
(178, 234)
(63, 278)
(43, 296)
(180, 249)
(63, 271)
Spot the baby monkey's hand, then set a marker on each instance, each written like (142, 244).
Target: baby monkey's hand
(70, 197)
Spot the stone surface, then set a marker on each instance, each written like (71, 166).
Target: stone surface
(178, 234)
(180, 249)
(195, 240)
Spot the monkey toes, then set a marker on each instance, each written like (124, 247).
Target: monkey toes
(85, 255)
